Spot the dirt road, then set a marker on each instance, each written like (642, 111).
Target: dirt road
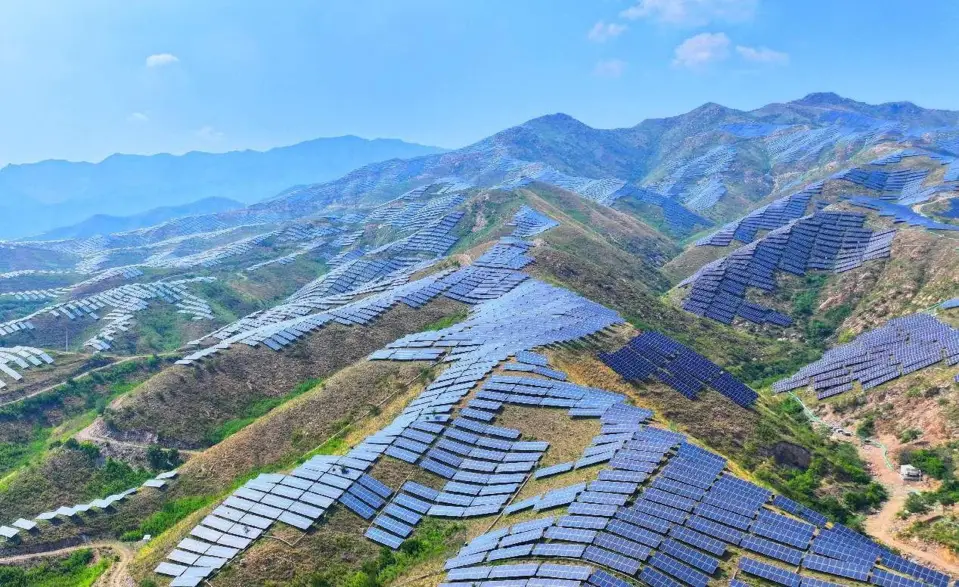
(116, 575)
(95, 433)
(884, 524)
(77, 376)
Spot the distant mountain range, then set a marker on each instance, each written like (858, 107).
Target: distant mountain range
(716, 161)
(106, 224)
(707, 166)
(38, 197)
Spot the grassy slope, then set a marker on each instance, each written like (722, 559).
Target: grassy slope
(223, 387)
(28, 428)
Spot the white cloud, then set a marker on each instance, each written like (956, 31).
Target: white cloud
(703, 49)
(138, 117)
(602, 32)
(692, 12)
(162, 59)
(210, 134)
(762, 55)
(609, 68)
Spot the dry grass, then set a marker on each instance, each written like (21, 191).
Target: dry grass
(183, 405)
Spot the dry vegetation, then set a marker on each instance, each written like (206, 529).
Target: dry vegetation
(223, 386)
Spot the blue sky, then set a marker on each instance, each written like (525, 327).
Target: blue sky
(82, 80)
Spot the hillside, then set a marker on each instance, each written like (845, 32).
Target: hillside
(690, 352)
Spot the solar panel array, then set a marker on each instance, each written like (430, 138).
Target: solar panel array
(666, 512)
(18, 358)
(124, 302)
(899, 347)
(797, 143)
(483, 464)
(303, 249)
(416, 209)
(900, 213)
(769, 217)
(521, 173)
(356, 291)
(652, 355)
(660, 508)
(833, 241)
(696, 182)
(208, 257)
(902, 185)
(297, 499)
(100, 506)
(677, 217)
(530, 222)
(128, 299)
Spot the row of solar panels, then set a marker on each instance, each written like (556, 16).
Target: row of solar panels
(12, 532)
(899, 347)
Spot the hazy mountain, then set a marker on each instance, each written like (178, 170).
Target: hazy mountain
(102, 224)
(715, 160)
(41, 196)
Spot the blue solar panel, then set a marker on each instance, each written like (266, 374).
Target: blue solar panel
(654, 578)
(634, 533)
(886, 579)
(769, 572)
(644, 520)
(715, 530)
(897, 563)
(361, 509)
(690, 556)
(772, 549)
(679, 570)
(848, 569)
(622, 545)
(612, 560)
(601, 578)
(698, 539)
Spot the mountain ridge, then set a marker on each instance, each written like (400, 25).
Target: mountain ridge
(44, 195)
(102, 224)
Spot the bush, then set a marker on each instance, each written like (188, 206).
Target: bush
(937, 464)
(916, 504)
(171, 513)
(867, 428)
(162, 460)
(909, 434)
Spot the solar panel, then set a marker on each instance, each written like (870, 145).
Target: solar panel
(848, 569)
(772, 549)
(769, 572)
(611, 560)
(699, 540)
(678, 570)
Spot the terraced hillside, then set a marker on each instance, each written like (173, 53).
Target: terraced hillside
(691, 352)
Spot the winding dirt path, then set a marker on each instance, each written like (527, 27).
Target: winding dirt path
(93, 433)
(884, 524)
(78, 375)
(116, 575)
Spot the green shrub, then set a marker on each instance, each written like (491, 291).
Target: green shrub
(867, 428)
(171, 513)
(909, 434)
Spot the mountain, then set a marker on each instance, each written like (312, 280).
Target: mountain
(715, 161)
(103, 224)
(542, 346)
(40, 196)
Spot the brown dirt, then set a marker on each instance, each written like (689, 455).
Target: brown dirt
(885, 525)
